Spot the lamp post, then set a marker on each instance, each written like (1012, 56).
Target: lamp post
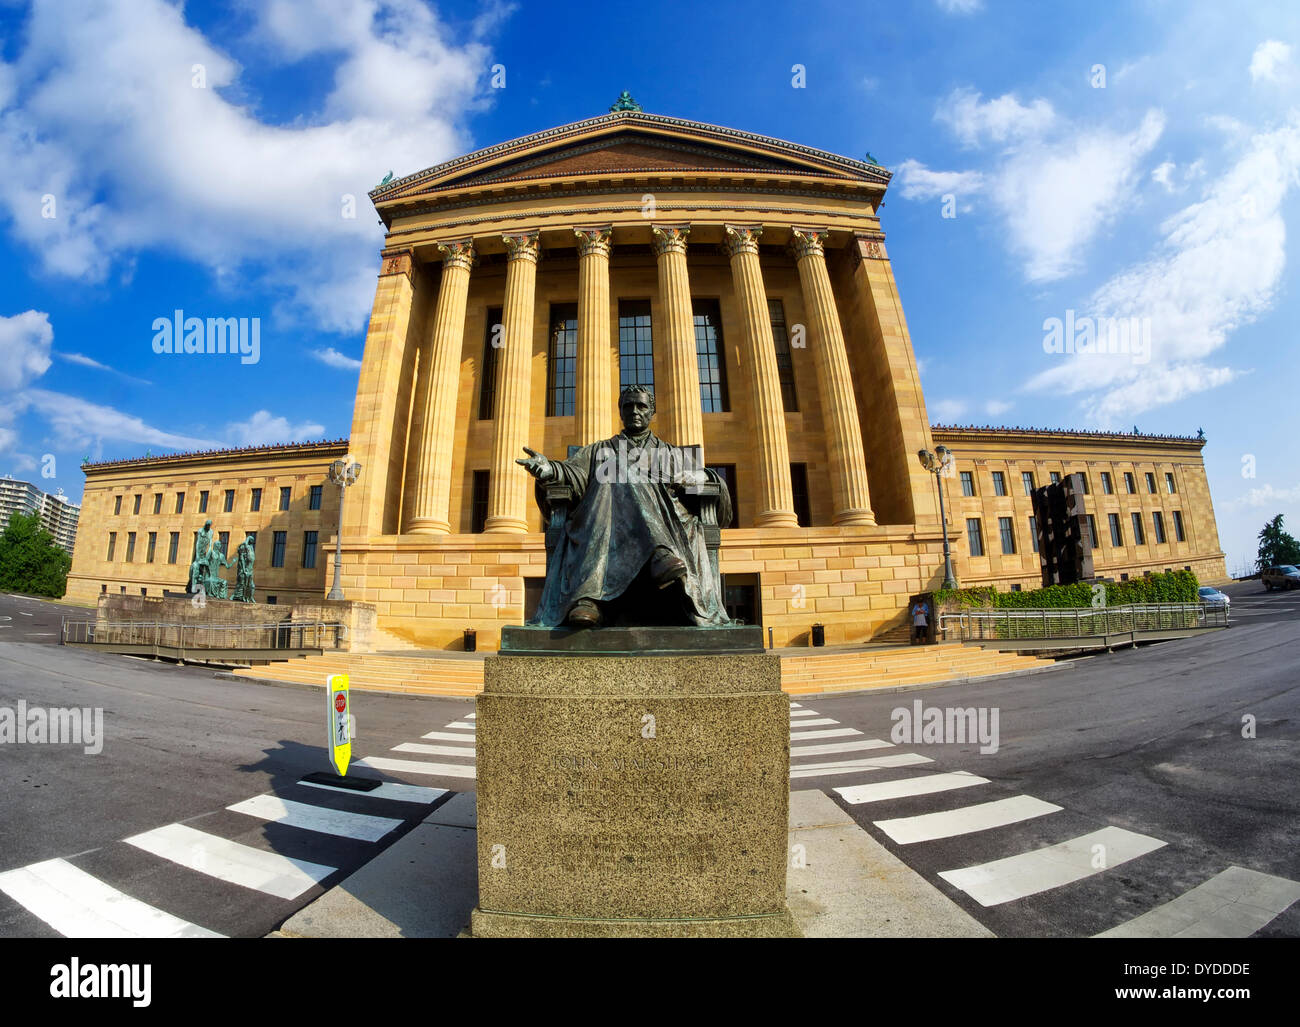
(342, 473)
(939, 463)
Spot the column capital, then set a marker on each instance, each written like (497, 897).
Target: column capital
(458, 253)
(806, 242)
(522, 246)
(742, 239)
(868, 246)
(669, 238)
(594, 240)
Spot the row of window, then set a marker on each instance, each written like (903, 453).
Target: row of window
(268, 600)
(636, 355)
(254, 501)
(1027, 480)
(278, 544)
(975, 532)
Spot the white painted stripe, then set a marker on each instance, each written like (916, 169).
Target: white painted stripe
(795, 706)
(908, 786)
(819, 722)
(835, 732)
(416, 767)
(361, 826)
(461, 725)
(388, 790)
(902, 759)
(1004, 880)
(436, 750)
(857, 746)
(1233, 904)
(447, 736)
(803, 713)
(966, 820)
(78, 905)
(470, 716)
(225, 860)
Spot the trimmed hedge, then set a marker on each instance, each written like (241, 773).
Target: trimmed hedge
(1172, 587)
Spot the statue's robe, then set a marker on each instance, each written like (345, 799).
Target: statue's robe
(616, 523)
(244, 573)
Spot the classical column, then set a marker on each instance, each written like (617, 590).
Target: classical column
(775, 499)
(436, 394)
(509, 484)
(851, 501)
(594, 406)
(677, 403)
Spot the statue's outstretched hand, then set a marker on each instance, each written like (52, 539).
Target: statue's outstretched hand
(537, 465)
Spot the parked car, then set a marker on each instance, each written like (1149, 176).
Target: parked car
(1212, 596)
(1284, 576)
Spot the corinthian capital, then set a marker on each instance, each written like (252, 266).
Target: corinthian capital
(594, 240)
(457, 253)
(522, 246)
(669, 238)
(807, 242)
(742, 239)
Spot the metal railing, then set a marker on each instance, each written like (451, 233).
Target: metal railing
(284, 635)
(1081, 623)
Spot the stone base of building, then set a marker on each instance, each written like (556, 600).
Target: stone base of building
(632, 796)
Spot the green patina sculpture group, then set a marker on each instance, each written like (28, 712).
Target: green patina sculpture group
(208, 561)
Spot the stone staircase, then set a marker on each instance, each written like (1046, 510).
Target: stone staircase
(382, 641)
(433, 672)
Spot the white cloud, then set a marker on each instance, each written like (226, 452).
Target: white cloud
(1265, 496)
(1267, 58)
(85, 361)
(264, 429)
(996, 407)
(974, 120)
(915, 181)
(1161, 175)
(960, 6)
(329, 355)
(25, 341)
(160, 164)
(78, 422)
(947, 411)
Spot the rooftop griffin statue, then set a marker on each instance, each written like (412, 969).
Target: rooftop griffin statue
(632, 549)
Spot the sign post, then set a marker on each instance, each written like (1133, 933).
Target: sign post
(340, 726)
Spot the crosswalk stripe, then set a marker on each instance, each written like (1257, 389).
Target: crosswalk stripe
(417, 767)
(819, 722)
(855, 746)
(803, 713)
(966, 820)
(361, 826)
(470, 716)
(1004, 880)
(230, 861)
(461, 725)
(1233, 904)
(908, 786)
(435, 750)
(834, 732)
(447, 736)
(388, 790)
(902, 759)
(795, 706)
(78, 905)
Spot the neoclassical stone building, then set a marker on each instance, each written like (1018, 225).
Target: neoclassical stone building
(746, 281)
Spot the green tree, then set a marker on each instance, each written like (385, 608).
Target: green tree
(1276, 546)
(30, 561)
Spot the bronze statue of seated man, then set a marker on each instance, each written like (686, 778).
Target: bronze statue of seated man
(633, 549)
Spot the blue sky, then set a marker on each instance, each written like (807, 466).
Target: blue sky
(1051, 161)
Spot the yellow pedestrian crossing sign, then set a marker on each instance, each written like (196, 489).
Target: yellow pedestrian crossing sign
(340, 723)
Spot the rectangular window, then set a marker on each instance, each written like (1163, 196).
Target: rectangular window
(799, 492)
(286, 492)
(1015, 587)
(1028, 478)
(727, 472)
(1139, 538)
(974, 538)
(1158, 522)
(277, 548)
(636, 361)
(1116, 533)
(1033, 533)
(255, 500)
(153, 545)
(711, 357)
(112, 543)
(130, 546)
(1178, 526)
(173, 546)
(1106, 485)
(487, 390)
(784, 361)
(1169, 483)
(561, 367)
(1129, 485)
(135, 509)
(1151, 482)
(180, 502)
(117, 505)
(316, 491)
(203, 501)
(223, 542)
(1083, 481)
(1008, 536)
(309, 549)
(1056, 477)
(230, 500)
(157, 502)
(999, 483)
(967, 483)
(479, 504)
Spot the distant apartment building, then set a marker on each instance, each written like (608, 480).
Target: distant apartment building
(58, 515)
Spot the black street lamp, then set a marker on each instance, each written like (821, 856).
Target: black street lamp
(342, 473)
(940, 464)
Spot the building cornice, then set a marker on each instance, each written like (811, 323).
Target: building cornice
(946, 433)
(331, 447)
